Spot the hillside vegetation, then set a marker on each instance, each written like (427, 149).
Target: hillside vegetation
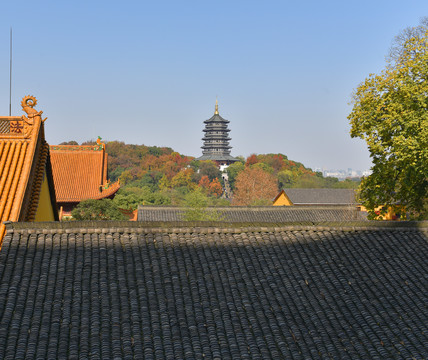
(154, 175)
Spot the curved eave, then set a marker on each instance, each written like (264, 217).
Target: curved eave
(218, 129)
(216, 118)
(218, 139)
(216, 144)
(105, 193)
(215, 147)
(216, 157)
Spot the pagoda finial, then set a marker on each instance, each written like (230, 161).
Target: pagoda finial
(216, 107)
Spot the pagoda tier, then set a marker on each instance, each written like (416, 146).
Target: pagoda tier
(218, 147)
(210, 128)
(216, 140)
(216, 136)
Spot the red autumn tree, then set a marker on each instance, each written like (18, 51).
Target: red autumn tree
(215, 187)
(253, 185)
(204, 182)
(251, 160)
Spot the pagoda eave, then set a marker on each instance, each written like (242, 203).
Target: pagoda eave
(219, 129)
(216, 147)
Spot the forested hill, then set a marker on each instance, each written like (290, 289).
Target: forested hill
(159, 175)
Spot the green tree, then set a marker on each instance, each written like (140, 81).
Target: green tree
(183, 179)
(347, 184)
(286, 178)
(103, 209)
(128, 201)
(151, 179)
(210, 169)
(72, 142)
(308, 181)
(390, 112)
(196, 203)
(263, 166)
(398, 47)
(126, 177)
(232, 172)
(164, 183)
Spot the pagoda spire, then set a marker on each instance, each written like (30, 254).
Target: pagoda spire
(216, 107)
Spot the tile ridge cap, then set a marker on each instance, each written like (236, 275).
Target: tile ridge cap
(198, 227)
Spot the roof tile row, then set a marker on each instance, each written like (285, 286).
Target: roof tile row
(80, 173)
(269, 214)
(248, 294)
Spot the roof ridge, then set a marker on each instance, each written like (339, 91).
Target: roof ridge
(95, 147)
(200, 226)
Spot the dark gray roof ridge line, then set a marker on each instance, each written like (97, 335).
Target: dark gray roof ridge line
(203, 227)
(257, 208)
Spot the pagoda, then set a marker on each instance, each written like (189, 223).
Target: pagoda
(216, 140)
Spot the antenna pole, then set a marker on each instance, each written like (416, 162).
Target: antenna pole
(10, 76)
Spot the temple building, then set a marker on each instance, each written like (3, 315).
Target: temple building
(317, 197)
(216, 140)
(26, 184)
(80, 173)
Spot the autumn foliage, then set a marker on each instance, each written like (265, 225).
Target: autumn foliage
(254, 185)
(152, 175)
(211, 187)
(215, 188)
(140, 160)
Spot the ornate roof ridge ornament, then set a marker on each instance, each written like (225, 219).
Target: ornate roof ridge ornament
(101, 145)
(22, 126)
(28, 102)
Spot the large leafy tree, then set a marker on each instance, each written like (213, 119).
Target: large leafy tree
(196, 203)
(104, 209)
(390, 112)
(233, 170)
(254, 186)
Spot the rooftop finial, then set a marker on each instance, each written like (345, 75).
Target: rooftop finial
(216, 107)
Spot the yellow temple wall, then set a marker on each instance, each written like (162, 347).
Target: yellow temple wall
(282, 200)
(44, 209)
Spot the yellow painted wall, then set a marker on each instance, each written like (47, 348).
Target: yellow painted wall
(44, 209)
(282, 200)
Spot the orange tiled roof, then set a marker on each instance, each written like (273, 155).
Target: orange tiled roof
(80, 172)
(23, 161)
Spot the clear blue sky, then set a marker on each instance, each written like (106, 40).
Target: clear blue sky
(149, 72)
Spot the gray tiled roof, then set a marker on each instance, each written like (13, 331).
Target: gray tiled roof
(270, 214)
(321, 196)
(217, 157)
(112, 290)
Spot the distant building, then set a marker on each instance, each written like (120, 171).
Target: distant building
(216, 140)
(344, 174)
(255, 214)
(26, 185)
(80, 173)
(290, 197)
